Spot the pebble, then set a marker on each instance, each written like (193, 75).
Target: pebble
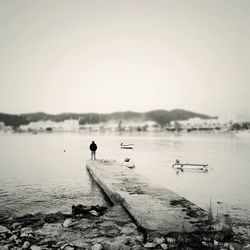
(24, 235)
(3, 229)
(16, 225)
(159, 241)
(128, 230)
(97, 246)
(26, 244)
(150, 245)
(34, 247)
(117, 244)
(59, 244)
(170, 240)
(13, 238)
(68, 223)
(164, 246)
(93, 212)
(247, 247)
(18, 242)
(27, 230)
(139, 238)
(69, 248)
(228, 246)
(49, 240)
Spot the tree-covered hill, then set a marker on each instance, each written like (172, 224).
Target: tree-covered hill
(160, 116)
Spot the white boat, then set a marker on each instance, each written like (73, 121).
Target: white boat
(189, 166)
(128, 163)
(126, 146)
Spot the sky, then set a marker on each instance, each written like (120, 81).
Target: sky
(104, 56)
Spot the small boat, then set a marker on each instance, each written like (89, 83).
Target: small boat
(129, 164)
(127, 146)
(189, 166)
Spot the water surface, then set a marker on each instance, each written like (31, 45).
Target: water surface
(46, 172)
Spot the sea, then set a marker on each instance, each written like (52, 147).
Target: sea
(47, 173)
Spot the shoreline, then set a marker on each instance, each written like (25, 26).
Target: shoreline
(97, 228)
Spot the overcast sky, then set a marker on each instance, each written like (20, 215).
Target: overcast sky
(103, 56)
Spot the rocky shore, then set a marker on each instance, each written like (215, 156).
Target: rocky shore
(100, 228)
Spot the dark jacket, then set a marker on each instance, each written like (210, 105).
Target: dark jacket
(93, 146)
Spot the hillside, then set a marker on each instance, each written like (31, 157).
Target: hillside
(160, 116)
(13, 120)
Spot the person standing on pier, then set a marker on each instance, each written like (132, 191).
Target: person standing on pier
(93, 148)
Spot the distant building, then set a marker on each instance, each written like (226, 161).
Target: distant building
(198, 124)
(41, 126)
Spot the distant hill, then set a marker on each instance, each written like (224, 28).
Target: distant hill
(160, 116)
(13, 120)
(164, 116)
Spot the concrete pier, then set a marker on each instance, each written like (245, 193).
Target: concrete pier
(154, 209)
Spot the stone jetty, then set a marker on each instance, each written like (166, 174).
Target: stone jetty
(154, 209)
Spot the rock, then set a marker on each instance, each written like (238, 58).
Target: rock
(68, 223)
(139, 238)
(26, 230)
(13, 238)
(132, 225)
(150, 245)
(247, 247)
(59, 244)
(81, 243)
(204, 243)
(237, 246)
(164, 246)
(10, 219)
(3, 229)
(118, 243)
(80, 209)
(83, 210)
(159, 241)
(2, 242)
(34, 247)
(97, 246)
(107, 224)
(16, 225)
(16, 231)
(113, 232)
(23, 235)
(128, 230)
(19, 242)
(8, 246)
(48, 241)
(50, 229)
(170, 240)
(26, 244)
(137, 247)
(228, 246)
(67, 247)
(93, 212)
(3, 236)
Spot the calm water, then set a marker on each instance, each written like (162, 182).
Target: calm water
(46, 172)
